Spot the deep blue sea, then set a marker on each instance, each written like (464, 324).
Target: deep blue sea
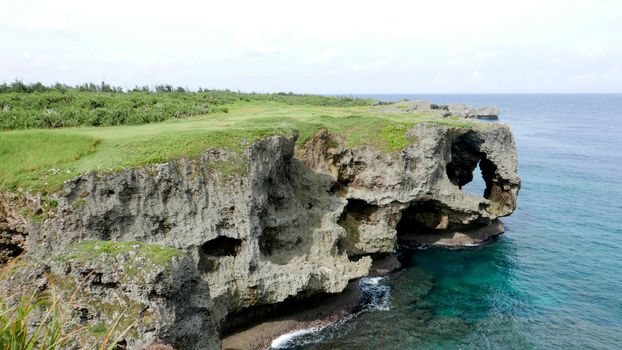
(552, 281)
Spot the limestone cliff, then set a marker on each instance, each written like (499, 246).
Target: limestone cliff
(297, 222)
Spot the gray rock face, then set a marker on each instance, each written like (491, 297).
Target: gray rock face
(299, 221)
(456, 238)
(419, 191)
(457, 110)
(466, 111)
(159, 300)
(13, 227)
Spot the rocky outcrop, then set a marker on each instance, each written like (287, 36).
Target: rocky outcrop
(419, 192)
(148, 292)
(454, 238)
(466, 111)
(456, 110)
(296, 222)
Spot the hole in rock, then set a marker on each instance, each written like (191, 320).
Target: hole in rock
(222, 246)
(9, 250)
(358, 210)
(422, 217)
(355, 213)
(426, 222)
(477, 186)
(465, 158)
(307, 306)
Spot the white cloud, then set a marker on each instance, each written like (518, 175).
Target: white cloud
(321, 57)
(475, 75)
(591, 52)
(117, 58)
(370, 66)
(319, 46)
(254, 45)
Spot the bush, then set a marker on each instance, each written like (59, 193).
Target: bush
(14, 330)
(55, 326)
(37, 106)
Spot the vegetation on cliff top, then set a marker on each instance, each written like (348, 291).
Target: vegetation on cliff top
(42, 159)
(38, 106)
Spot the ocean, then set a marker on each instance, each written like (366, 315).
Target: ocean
(552, 281)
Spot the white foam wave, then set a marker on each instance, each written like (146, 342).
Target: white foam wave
(286, 340)
(375, 296)
(372, 280)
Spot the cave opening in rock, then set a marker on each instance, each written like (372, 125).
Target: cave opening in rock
(422, 222)
(357, 210)
(465, 158)
(356, 213)
(222, 246)
(303, 307)
(422, 217)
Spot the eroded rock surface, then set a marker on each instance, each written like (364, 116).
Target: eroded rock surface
(155, 293)
(457, 110)
(467, 111)
(418, 192)
(13, 227)
(299, 221)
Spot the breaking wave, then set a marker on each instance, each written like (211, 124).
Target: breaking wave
(375, 296)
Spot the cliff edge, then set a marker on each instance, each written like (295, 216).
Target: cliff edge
(185, 251)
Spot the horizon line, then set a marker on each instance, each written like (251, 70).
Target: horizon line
(468, 93)
(128, 88)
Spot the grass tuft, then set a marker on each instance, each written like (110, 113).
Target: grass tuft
(91, 249)
(43, 321)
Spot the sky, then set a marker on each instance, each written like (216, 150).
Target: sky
(340, 47)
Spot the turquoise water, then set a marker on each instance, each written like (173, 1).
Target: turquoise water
(553, 281)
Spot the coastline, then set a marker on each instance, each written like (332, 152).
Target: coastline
(325, 311)
(261, 335)
(314, 213)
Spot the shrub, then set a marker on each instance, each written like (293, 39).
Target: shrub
(14, 330)
(37, 106)
(54, 327)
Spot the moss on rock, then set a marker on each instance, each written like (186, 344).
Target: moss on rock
(91, 249)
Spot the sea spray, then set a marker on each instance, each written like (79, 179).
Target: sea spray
(375, 296)
(297, 338)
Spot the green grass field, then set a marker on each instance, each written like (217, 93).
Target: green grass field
(42, 159)
(21, 108)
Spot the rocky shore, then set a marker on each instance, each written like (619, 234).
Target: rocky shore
(189, 256)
